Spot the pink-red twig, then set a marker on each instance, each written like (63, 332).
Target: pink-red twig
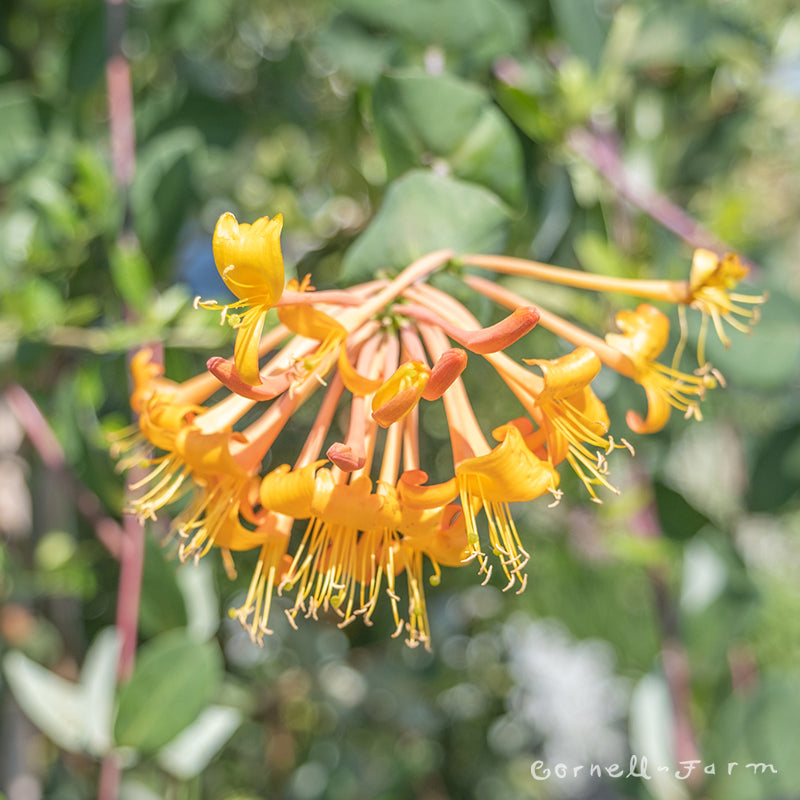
(44, 441)
(674, 659)
(602, 154)
(123, 152)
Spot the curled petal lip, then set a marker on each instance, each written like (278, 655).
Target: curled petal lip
(480, 340)
(267, 388)
(567, 375)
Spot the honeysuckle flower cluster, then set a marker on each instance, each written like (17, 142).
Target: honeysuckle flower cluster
(368, 518)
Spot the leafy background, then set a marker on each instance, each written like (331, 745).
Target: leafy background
(382, 130)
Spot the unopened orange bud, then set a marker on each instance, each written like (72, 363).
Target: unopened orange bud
(451, 364)
(346, 457)
(396, 408)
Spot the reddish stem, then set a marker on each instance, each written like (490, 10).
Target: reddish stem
(123, 153)
(601, 153)
(674, 658)
(44, 441)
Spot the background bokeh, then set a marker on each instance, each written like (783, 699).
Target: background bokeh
(664, 623)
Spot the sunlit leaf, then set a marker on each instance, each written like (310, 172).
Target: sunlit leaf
(76, 716)
(98, 683)
(189, 753)
(422, 118)
(423, 212)
(52, 703)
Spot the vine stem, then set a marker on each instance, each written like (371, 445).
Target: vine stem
(674, 658)
(131, 556)
(49, 450)
(603, 155)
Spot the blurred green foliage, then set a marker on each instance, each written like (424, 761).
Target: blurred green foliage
(382, 130)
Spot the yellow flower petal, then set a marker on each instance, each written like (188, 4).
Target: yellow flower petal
(310, 322)
(290, 492)
(510, 473)
(566, 376)
(208, 453)
(571, 415)
(354, 381)
(245, 349)
(711, 280)
(644, 336)
(350, 504)
(248, 258)
(414, 494)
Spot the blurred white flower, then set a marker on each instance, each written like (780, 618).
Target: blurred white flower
(568, 692)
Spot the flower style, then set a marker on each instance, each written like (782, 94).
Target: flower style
(356, 515)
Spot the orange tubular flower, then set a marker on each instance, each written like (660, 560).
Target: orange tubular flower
(644, 336)
(355, 511)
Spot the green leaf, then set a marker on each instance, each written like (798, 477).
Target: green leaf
(131, 273)
(491, 156)
(162, 607)
(580, 26)
(19, 131)
(355, 51)
(776, 336)
(423, 212)
(415, 112)
(175, 678)
(679, 520)
(775, 470)
(481, 29)
(160, 188)
(189, 753)
(758, 727)
(529, 113)
(422, 118)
